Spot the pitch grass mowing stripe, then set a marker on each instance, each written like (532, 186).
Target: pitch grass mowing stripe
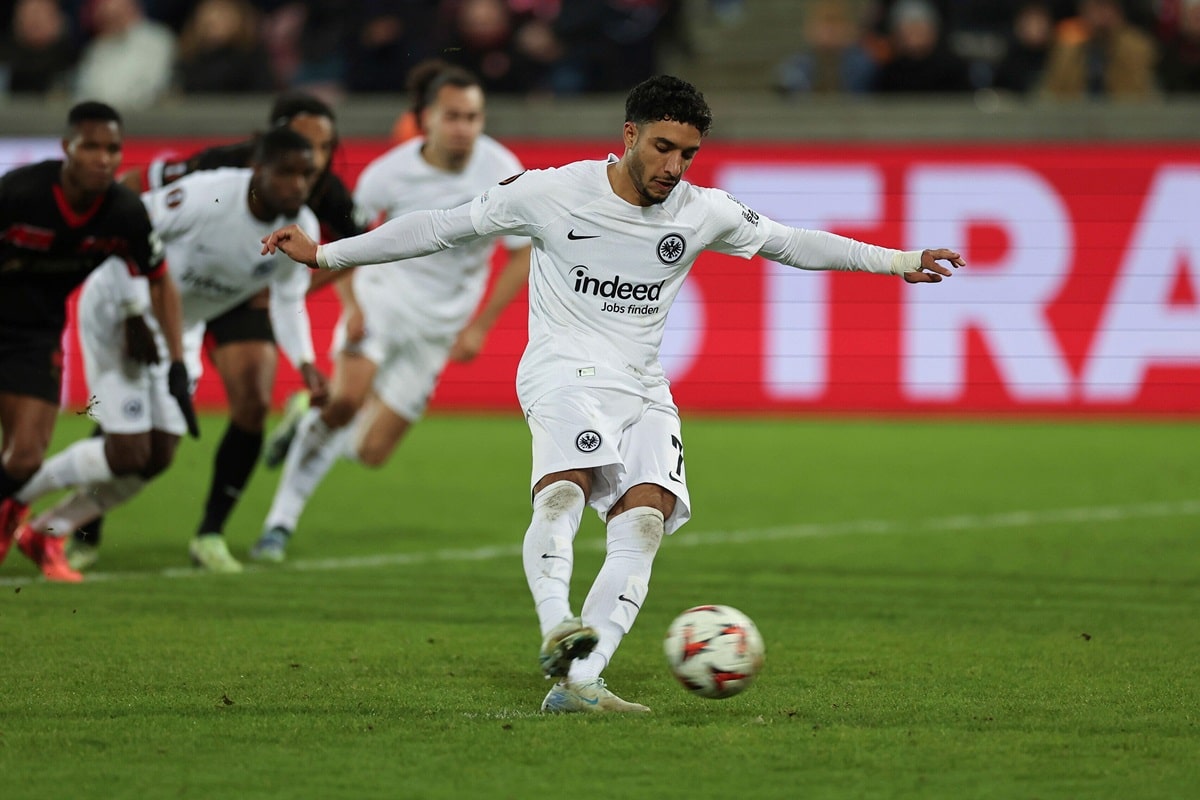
(961, 522)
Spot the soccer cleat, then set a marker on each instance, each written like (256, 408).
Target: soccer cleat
(12, 514)
(47, 553)
(272, 545)
(82, 555)
(566, 641)
(588, 697)
(209, 552)
(279, 441)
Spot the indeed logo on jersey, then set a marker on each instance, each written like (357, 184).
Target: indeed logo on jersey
(616, 289)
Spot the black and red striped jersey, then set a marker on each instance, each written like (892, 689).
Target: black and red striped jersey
(47, 248)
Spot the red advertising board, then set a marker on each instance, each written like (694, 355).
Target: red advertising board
(1081, 295)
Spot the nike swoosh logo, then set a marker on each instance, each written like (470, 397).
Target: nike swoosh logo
(575, 237)
(627, 600)
(547, 555)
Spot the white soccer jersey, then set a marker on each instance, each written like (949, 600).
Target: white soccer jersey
(604, 272)
(435, 293)
(214, 254)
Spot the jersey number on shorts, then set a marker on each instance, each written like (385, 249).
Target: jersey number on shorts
(677, 473)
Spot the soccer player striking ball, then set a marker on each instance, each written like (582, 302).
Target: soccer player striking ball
(241, 342)
(210, 222)
(613, 241)
(399, 326)
(59, 220)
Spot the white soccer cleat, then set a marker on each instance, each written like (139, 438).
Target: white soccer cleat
(279, 441)
(566, 641)
(588, 697)
(209, 552)
(271, 546)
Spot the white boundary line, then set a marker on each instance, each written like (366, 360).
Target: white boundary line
(964, 522)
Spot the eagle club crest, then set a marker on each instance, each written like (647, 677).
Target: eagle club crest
(671, 248)
(587, 441)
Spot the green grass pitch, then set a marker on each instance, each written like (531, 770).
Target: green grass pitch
(952, 609)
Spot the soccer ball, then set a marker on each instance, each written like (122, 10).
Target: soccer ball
(714, 651)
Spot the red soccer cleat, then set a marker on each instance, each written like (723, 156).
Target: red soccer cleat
(12, 514)
(48, 553)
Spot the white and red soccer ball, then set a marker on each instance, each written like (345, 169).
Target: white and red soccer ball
(714, 651)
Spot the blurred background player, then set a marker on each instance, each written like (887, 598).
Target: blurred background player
(59, 220)
(241, 342)
(605, 429)
(211, 222)
(399, 326)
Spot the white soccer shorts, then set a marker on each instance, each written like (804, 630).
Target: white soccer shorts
(126, 397)
(626, 439)
(408, 363)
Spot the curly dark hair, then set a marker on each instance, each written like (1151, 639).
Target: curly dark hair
(670, 98)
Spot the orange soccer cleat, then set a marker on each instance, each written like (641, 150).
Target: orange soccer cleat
(48, 553)
(12, 514)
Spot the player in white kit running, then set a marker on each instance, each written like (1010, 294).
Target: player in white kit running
(613, 241)
(208, 222)
(399, 326)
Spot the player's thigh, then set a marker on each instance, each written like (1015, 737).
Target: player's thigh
(579, 429)
(654, 474)
(247, 371)
(28, 424)
(30, 380)
(353, 375)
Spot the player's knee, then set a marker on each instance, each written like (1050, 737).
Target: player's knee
(127, 455)
(157, 464)
(339, 411)
(250, 412)
(22, 461)
(374, 454)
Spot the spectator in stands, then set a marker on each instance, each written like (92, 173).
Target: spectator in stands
(834, 60)
(1101, 55)
(37, 54)
(388, 38)
(129, 59)
(1027, 50)
(1179, 70)
(480, 36)
(610, 45)
(920, 60)
(220, 51)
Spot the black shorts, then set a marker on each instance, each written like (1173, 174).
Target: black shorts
(248, 322)
(31, 363)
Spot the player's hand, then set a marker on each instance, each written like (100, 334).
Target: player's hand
(293, 241)
(933, 272)
(316, 383)
(356, 326)
(468, 343)
(139, 341)
(179, 385)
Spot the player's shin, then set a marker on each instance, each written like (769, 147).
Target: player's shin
(620, 588)
(548, 550)
(83, 462)
(85, 504)
(313, 453)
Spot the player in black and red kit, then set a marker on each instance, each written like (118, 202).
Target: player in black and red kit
(241, 342)
(59, 220)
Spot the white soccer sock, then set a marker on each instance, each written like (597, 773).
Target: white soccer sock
(85, 504)
(620, 587)
(548, 552)
(82, 462)
(311, 456)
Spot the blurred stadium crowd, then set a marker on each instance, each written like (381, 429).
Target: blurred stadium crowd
(133, 53)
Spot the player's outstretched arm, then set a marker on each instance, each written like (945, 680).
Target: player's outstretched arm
(930, 270)
(293, 241)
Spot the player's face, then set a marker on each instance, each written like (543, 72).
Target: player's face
(453, 122)
(320, 133)
(93, 151)
(657, 155)
(283, 185)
